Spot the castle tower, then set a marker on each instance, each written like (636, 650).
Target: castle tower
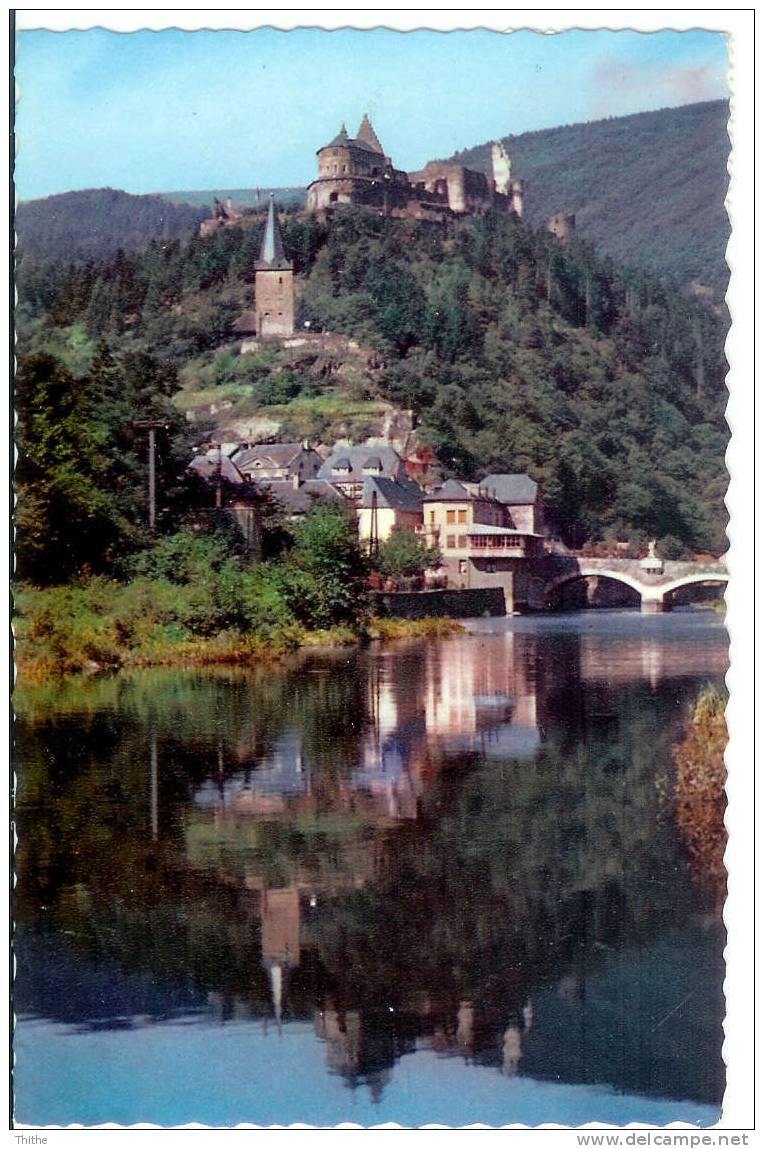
(563, 225)
(274, 282)
(367, 135)
(502, 168)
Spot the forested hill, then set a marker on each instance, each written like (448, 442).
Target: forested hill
(649, 189)
(94, 224)
(515, 353)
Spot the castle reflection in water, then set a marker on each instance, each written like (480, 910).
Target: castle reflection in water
(424, 710)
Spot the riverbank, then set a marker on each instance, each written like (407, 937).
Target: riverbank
(700, 789)
(102, 626)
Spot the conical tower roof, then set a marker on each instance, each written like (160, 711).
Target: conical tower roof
(340, 139)
(272, 255)
(369, 136)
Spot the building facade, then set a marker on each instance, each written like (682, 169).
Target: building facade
(387, 504)
(479, 543)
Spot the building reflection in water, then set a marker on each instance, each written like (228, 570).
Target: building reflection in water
(423, 710)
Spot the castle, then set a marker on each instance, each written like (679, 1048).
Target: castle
(357, 171)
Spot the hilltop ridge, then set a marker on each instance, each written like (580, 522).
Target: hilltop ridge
(648, 189)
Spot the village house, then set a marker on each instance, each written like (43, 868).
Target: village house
(387, 504)
(478, 535)
(278, 461)
(347, 468)
(298, 497)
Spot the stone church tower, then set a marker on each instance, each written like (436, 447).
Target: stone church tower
(274, 283)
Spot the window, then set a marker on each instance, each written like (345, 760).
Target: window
(451, 542)
(462, 542)
(432, 518)
(450, 516)
(463, 515)
(462, 566)
(490, 568)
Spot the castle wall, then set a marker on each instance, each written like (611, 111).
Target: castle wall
(563, 225)
(274, 302)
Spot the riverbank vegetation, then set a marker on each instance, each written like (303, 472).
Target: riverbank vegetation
(700, 789)
(195, 599)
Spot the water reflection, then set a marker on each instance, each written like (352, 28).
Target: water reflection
(454, 846)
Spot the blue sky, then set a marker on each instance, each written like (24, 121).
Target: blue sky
(170, 110)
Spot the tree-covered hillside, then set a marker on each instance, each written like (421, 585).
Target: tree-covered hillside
(94, 224)
(515, 353)
(649, 189)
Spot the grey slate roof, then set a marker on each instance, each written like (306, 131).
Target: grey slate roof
(300, 500)
(272, 255)
(513, 490)
(366, 139)
(270, 454)
(206, 467)
(341, 139)
(359, 457)
(452, 489)
(400, 495)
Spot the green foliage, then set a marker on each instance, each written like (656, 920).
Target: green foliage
(81, 469)
(324, 573)
(404, 553)
(606, 385)
(196, 597)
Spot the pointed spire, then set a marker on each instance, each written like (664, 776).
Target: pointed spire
(369, 136)
(340, 139)
(272, 251)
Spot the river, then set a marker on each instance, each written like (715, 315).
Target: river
(431, 881)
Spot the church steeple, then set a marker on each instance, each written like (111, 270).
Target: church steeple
(369, 136)
(272, 255)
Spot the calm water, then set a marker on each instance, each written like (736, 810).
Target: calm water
(429, 882)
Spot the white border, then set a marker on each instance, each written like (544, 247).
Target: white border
(738, 1110)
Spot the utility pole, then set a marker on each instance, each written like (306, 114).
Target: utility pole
(374, 526)
(151, 425)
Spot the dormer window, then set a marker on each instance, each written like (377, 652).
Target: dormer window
(341, 467)
(373, 466)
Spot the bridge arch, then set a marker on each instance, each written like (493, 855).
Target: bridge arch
(653, 595)
(584, 572)
(688, 580)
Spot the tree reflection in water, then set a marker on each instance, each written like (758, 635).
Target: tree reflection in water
(459, 844)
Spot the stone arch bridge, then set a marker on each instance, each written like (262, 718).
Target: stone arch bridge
(654, 587)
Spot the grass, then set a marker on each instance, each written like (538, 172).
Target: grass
(389, 629)
(104, 625)
(700, 789)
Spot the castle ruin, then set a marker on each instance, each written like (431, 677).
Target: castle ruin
(357, 171)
